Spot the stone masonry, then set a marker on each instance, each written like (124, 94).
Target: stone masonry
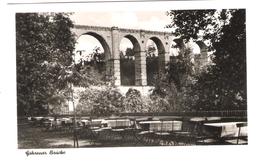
(110, 38)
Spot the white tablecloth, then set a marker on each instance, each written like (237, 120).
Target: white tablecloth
(229, 129)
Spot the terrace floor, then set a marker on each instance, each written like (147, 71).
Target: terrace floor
(32, 137)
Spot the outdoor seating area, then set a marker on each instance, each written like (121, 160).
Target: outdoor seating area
(147, 130)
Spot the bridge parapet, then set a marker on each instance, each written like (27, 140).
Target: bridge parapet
(95, 28)
(99, 28)
(110, 39)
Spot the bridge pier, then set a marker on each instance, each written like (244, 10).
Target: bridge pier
(110, 38)
(140, 69)
(115, 55)
(117, 72)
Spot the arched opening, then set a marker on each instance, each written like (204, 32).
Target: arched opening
(196, 52)
(174, 49)
(152, 62)
(92, 54)
(155, 62)
(201, 59)
(177, 47)
(129, 53)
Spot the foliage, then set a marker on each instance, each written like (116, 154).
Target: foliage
(173, 86)
(129, 52)
(152, 69)
(107, 102)
(132, 102)
(165, 89)
(90, 74)
(87, 100)
(127, 71)
(151, 51)
(160, 104)
(97, 56)
(224, 85)
(147, 105)
(198, 24)
(180, 69)
(100, 101)
(44, 47)
(92, 69)
(56, 102)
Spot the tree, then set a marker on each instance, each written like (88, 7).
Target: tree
(151, 51)
(152, 64)
(129, 52)
(223, 85)
(174, 85)
(199, 24)
(180, 73)
(165, 89)
(180, 69)
(44, 47)
(97, 56)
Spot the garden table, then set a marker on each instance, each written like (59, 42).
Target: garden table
(224, 131)
(163, 129)
(120, 126)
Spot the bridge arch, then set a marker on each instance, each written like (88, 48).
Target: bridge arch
(161, 53)
(202, 59)
(155, 58)
(110, 38)
(107, 50)
(102, 41)
(159, 44)
(136, 68)
(134, 41)
(203, 47)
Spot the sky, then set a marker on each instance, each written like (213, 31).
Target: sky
(148, 20)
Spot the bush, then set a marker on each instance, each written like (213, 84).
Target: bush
(107, 102)
(102, 101)
(159, 104)
(87, 100)
(133, 101)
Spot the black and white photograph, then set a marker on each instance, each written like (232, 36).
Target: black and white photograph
(129, 81)
(115, 79)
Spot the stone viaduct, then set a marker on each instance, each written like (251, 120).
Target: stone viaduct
(110, 38)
